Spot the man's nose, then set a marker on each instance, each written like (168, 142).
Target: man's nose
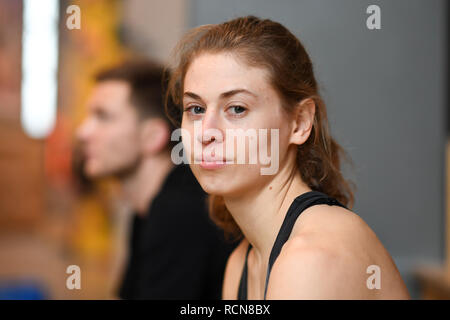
(84, 130)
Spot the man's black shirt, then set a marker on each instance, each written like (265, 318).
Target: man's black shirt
(176, 251)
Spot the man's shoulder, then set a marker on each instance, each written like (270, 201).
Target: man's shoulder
(182, 191)
(182, 177)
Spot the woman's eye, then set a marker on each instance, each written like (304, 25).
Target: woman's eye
(235, 110)
(195, 110)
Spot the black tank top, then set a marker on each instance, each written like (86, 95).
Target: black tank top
(299, 204)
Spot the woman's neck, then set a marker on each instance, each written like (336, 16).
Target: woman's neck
(260, 214)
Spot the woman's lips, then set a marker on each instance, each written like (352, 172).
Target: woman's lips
(211, 164)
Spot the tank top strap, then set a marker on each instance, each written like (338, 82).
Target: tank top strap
(242, 293)
(301, 203)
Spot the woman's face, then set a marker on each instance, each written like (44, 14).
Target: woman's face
(226, 103)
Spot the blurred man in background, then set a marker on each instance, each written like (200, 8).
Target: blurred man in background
(176, 252)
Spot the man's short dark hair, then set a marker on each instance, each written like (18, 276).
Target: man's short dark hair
(147, 86)
(145, 79)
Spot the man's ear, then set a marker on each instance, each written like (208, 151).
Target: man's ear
(154, 135)
(303, 121)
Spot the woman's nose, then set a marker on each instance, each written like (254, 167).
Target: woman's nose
(210, 128)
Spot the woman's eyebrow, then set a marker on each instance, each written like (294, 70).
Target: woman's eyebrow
(223, 95)
(192, 95)
(236, 91)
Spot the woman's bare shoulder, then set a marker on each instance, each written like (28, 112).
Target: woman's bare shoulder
(233, 271)
(331, 254)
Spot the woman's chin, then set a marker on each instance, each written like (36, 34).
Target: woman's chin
(223, 189)
(214, 189)
(225, 183)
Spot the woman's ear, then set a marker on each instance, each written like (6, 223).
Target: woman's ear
(303, 121)
(154, 136)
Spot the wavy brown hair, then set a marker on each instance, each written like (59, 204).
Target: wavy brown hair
(267, 44)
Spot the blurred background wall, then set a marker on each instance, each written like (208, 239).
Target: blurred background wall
(386, 92)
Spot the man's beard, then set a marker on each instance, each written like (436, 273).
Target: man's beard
(126, 172)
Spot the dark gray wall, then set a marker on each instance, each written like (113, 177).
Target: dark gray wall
(386, 96)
